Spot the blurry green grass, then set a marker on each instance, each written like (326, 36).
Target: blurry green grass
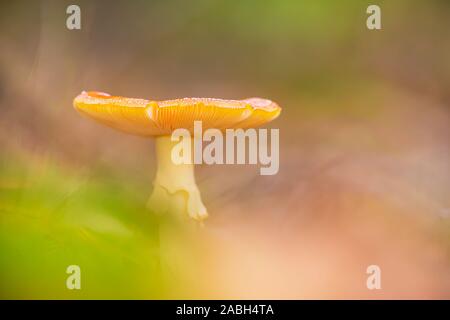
(51, 218)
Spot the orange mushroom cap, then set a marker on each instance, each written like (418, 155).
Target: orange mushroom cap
(157, 118)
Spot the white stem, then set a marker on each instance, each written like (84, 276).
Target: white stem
(174, 187)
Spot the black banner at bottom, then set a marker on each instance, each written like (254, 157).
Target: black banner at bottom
(223, 309)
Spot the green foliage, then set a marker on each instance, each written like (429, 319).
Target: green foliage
(51, 219)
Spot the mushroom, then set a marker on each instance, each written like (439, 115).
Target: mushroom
(158, 119)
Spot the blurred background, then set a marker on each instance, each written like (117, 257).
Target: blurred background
(364, 150)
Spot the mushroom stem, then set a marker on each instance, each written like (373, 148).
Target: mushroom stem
(174, 187)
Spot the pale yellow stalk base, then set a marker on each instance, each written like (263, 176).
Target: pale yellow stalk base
(174, 187)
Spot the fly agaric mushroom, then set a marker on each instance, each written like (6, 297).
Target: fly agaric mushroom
(160, 118)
